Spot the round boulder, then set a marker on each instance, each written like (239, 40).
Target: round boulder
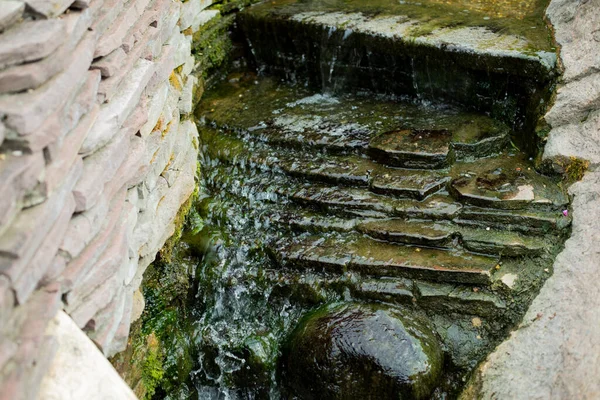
(358, 351)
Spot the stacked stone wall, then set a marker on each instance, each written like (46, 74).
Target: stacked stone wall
(98, 152)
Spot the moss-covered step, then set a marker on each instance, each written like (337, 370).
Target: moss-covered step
(506, 182)
(525, 221)
(336, 253)
(262, 109)
(443, 234)
(430, 49)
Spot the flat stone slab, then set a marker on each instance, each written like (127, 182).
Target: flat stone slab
(508, 182)
(30, 41)
(412, 148)
(370, 257)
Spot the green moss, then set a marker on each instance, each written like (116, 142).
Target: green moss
(152, 369)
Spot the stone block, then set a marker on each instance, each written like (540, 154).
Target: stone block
(26, 112)
(109, 86)
(202, 18)
(190, 11)
(19, 174)
(10, 12)
(29, 278)
(110, 64)
(33, 75)
(107, 322)
(113, 114)
(80, 266)
(117, 31)
(108, 14)
(30, 41)
(119, 340)
(49, 8)
(186, 101)
(23, 238)
(100, 168)
(578, 139)
(155, 109)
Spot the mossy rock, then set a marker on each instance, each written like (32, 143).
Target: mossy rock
(356, 351)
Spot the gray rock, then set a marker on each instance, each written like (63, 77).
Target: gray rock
(575, 24)
(30, 41)
(574, 101)
(155, 109)
(186, 101)
(579, 139)
(26, 112)
(113, 115)
(10, 12)
(49, 8)
(118, 30)
(553, 352)
(354, 351)
(110, 64)
(33, 75)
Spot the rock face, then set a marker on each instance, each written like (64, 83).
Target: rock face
(357, 351)
(97, 154)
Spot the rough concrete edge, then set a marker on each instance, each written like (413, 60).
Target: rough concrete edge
(555, 352)
(79, 369)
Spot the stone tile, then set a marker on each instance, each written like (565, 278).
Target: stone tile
(110, 64)
(119, 340)
(117, 31)
(21, 240)
(113, 115)
(186, 101)
(33, 75)
(108, 321)
(49, 8)
(10, 12)
(26, 112)
(574, 101)
(157, 103)
(30, 41)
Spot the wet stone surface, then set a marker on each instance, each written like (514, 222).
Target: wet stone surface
(387, 211)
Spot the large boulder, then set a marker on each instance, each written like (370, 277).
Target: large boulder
(356, 351)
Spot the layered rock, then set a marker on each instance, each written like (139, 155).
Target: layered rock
(97, 154)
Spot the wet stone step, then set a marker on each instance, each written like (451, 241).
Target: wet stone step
(444, 234)
(459, 299)
(351, 170)
(336, 253)
(524, 221)
(506, 182)
(336, 199)
(264, 110)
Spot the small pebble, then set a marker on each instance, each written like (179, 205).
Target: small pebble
(565, 213)
(17, 153)
(476, 322)
(488, 228)
(546, 270)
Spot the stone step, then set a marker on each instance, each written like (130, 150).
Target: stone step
(353, 170)
(507, 182)
(310, 287)
(261, 109)
(481, 60)
(356, 253)
(444, 234)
